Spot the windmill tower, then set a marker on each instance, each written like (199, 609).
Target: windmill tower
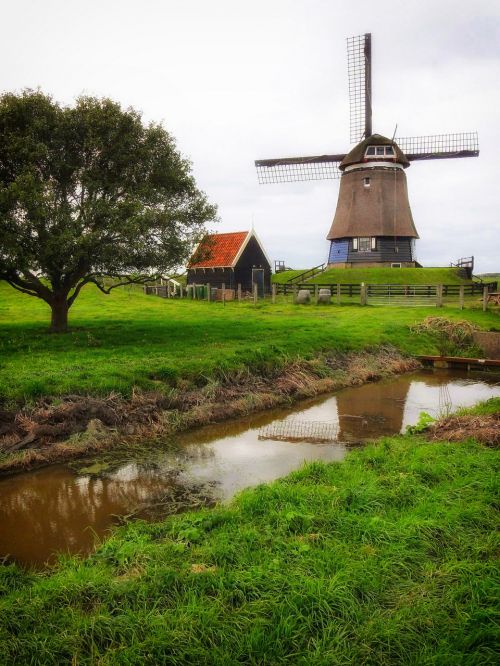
(373, 224)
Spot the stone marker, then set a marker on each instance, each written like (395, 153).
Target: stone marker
(324, 296)
(303, 297)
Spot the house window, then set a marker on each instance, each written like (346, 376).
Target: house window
(374, 243)
(394, 265)
(355, 244)
(366, 182)
(365, 244)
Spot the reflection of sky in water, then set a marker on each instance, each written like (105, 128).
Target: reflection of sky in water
(431, 399)
(244, 460)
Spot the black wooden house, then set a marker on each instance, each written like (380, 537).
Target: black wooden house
(231, 259)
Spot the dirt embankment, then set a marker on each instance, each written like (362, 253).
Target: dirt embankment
(55, 430)
(484, 429)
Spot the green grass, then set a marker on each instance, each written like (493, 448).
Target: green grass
(387, 558)
(128, 339)
(390, 276)
(284, 276)
(491, 406)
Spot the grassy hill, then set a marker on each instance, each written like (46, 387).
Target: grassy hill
(128, 339)
(390, 276)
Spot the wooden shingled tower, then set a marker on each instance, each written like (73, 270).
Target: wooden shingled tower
(373, 223)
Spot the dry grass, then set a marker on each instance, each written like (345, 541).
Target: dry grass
(484, 428)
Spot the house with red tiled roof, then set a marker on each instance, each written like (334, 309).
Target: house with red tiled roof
(231, 259)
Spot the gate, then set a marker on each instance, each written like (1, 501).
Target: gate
(402, 295)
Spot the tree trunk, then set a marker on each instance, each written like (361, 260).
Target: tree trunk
(59, 321)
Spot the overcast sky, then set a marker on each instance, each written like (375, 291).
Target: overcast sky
(236, 81)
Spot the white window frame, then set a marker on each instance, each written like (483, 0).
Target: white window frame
(383, 155)
(366, 241)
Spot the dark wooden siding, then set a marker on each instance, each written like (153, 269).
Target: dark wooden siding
(252, 257)
(385, 252)
(216, 277)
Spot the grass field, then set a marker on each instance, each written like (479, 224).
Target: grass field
(128, 339)
(379, 276)
(388, 557)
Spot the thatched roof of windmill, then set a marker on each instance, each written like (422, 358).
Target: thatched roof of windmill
(357, 154)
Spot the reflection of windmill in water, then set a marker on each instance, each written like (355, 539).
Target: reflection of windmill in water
(372, 410)
(373, 224)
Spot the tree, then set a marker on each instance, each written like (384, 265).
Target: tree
(89, 192)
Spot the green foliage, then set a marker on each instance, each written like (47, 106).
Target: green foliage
(389, 557)
(87, 192)
(390, 276)
(128, 339)
(423, 423)
(491, 406)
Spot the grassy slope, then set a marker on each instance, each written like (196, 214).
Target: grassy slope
(385, 558)
(128, 339)
(284, 276)
(390, 276)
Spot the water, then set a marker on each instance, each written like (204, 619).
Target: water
(56, 509)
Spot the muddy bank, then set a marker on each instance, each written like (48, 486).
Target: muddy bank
(484, 429)
(73, 426)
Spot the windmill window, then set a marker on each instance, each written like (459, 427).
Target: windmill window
(365, 244)
(379, 151)
(366, 182)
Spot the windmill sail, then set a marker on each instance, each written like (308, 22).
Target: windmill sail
(296, 169)
(440, 146)
(359, 70)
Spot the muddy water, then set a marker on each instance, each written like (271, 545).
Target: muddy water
(59, 510)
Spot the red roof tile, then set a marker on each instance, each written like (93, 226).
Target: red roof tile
(217, 250)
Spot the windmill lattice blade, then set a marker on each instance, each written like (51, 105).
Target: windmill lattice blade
(360, 93)
(296, 169)
(440, 146)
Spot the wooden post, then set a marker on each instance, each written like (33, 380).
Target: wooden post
(316, 293)
(208, 292)
(182, 291)
(295, 290)
(239, 292)
(485, 299)
(362, 293)
(255, 293)
(439, 296)
(338, 294)
(224, 294)
(273, 293)
(461, 291)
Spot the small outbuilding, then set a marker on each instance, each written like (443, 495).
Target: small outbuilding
(231, 259)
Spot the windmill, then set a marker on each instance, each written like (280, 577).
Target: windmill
(373, 224)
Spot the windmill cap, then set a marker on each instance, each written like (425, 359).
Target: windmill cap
(357, 154)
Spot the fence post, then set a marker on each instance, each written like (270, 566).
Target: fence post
(439, 296)
(461, 291)
(362, 293)
(295, 290)
(208, 291)
(338, 294)
(255, 293)
(224, 294)
(239, 292)
(485, 299)
(273, 293)
(316, 293)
